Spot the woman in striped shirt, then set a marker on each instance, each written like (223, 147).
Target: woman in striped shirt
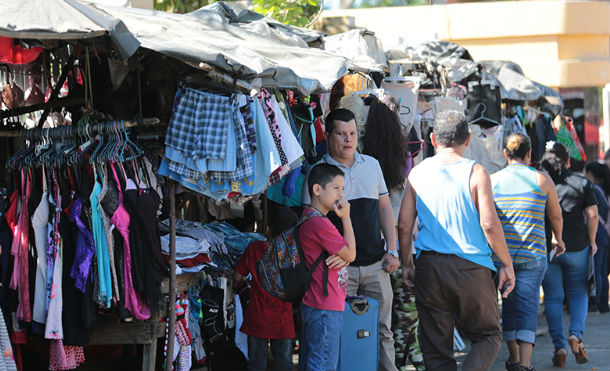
(523, 197)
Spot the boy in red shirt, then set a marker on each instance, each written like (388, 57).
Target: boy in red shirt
(322, 315)
(266, 318)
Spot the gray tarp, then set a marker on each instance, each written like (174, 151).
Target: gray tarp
(202, 36)
(265, 26)
(459, 66)
(359, 45)
(41, 19)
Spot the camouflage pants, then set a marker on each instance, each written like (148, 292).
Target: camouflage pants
(404, 324)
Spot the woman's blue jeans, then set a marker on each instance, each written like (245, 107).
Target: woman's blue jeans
(601, 277)
(520, 308)
(570, 271)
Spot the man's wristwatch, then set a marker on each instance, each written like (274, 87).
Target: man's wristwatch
(394, 253)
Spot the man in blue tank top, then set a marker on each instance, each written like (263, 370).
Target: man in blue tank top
(458, 229)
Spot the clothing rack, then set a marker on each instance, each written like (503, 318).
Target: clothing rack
(73, 130)
(138, 332)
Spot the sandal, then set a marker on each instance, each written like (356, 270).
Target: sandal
(512, 366)
(559, 357)
(579, 351)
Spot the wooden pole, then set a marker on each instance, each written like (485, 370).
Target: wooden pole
(265, 207)
(172, 277)
(56, 89)
(59, 102)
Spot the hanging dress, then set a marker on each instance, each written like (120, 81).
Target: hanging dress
(148, 267)
(121, 219)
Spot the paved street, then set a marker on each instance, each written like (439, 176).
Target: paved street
(596, 341)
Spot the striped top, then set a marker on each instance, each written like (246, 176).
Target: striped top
(520, 204)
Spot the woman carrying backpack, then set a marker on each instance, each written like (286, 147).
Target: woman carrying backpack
(599, 175)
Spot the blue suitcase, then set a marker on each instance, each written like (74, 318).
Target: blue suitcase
(359, 335)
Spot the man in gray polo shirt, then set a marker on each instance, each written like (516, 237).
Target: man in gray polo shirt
(371, 213)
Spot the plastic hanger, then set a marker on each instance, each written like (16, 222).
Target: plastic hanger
(94, 155)
(482, 115)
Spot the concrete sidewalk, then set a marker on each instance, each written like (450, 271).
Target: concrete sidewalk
(596, 341)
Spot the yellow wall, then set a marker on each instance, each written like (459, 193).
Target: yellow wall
(557, 43)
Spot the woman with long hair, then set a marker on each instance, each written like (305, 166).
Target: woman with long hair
(599, 175)
(570, 270)
(523, 197)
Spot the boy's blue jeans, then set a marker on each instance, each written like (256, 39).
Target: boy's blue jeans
(520, 308)
(569, 270)
(281, 350)
(320, 334)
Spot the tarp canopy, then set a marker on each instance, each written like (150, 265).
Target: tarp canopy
(263, 25)
(207, 35)
(40, 19)
(359, 45)
(460, 66)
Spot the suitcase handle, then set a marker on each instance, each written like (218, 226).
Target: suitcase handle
(359, 306)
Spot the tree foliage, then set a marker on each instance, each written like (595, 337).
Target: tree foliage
(180, 6)
(383, 3)
(292, 12)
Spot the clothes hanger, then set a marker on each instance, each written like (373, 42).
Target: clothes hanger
(482, 115)
(137, 152)
(94, 154)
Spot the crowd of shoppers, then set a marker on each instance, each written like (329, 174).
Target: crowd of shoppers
(463, 235)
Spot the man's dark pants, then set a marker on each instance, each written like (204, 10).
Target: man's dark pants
(449, 288)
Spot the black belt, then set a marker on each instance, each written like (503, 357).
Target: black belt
(430, 252)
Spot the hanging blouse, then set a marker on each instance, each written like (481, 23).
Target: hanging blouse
(108, 206)
(85, 247)
(54, 328)
(40, 225)
(101, 247)
(19, 249)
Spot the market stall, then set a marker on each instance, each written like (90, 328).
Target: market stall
(113, 101)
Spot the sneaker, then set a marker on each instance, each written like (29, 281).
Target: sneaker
(525, 368)
(512, 366)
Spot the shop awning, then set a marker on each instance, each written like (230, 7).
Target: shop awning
(207, 35)
(46, 19)
(458, 63)
(361, 46)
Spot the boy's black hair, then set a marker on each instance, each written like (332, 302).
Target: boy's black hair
(280, 219)
(322, 174)
(339, 114)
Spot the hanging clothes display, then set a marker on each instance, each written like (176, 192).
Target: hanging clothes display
(566, 135)
(7, 360)
(484, 103)
(486, 147)
(66, 191)
(406, 95)
(258, 152)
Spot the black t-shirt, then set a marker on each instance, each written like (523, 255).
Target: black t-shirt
(575, 194)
